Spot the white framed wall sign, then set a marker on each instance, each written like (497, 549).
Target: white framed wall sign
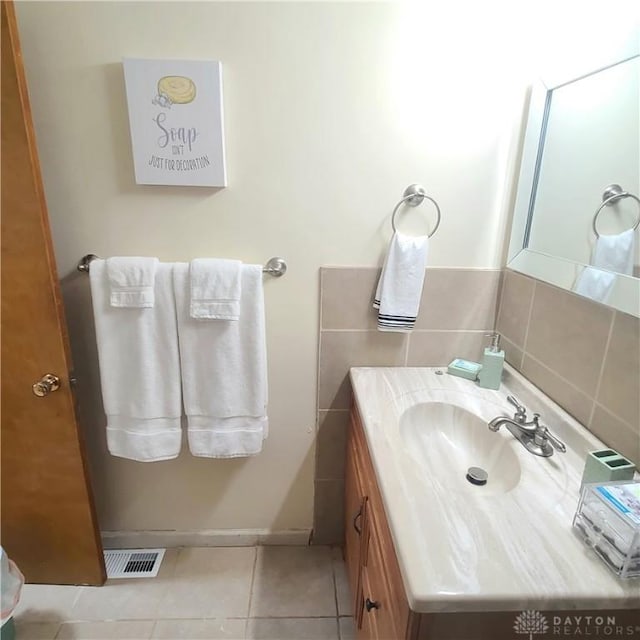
(175, 117)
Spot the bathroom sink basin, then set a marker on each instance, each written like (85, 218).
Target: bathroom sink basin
(446, 440)
(505, 545)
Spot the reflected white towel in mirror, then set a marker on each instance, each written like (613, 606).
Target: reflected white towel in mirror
(612, 254)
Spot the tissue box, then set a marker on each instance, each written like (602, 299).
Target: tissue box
(608, 520)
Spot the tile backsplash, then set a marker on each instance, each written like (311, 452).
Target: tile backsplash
(583, 355)
(458, 307)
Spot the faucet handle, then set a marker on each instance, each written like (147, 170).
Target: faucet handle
(521, 411)
(558, 445)
(543, 437)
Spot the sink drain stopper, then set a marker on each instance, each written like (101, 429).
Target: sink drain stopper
(478, 476)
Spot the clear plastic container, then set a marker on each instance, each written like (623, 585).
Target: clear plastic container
(608, 520)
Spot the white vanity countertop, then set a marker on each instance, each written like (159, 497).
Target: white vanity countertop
(460, 549)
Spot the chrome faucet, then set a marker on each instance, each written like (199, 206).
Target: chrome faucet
(533, 436)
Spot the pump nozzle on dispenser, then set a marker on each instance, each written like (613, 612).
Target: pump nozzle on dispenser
(495, 341)
(490, 375)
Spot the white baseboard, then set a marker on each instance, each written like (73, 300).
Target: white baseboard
(204, 538)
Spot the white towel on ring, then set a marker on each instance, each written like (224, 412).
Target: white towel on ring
(224, 372)
(131, 281)
(215, 287)
(139, 370)
(400, 285)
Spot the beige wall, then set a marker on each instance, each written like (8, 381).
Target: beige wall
(331, 110)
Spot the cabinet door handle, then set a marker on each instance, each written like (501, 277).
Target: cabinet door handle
(355, 521)
(371, 604)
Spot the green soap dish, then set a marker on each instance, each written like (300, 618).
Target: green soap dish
(464, 369)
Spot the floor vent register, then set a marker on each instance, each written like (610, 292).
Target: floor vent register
(133, 563)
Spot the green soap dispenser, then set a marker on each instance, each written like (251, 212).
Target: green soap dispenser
(492, 364)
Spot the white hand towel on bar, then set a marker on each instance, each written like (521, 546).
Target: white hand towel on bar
(139, 370)
(224, 372)
(612, 254)
(400, 286)
(215, 287)
(131, 281)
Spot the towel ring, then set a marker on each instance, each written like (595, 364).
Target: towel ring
(413, 196)
(613, 193)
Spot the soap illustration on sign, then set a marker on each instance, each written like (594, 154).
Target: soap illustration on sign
(175, 90)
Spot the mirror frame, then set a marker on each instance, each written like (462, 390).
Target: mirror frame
(555, 270)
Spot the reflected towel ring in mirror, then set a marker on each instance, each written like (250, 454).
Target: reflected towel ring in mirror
(413, 196)
(612, 194)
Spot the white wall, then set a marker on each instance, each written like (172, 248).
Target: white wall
(331, 110)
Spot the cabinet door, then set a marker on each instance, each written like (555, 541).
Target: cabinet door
(378, 620)
(355, 519)
(381, 580)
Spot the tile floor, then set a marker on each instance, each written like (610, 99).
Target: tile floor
(261, 593)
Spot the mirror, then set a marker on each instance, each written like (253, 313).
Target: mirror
(583, 136)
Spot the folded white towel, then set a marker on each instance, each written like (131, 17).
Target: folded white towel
(215, 287)
(131, 281)
(612, 254)
(139, 370)
(400, 286)
(224, 372)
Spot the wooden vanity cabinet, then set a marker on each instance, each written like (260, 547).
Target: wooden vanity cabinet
(380, 607)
